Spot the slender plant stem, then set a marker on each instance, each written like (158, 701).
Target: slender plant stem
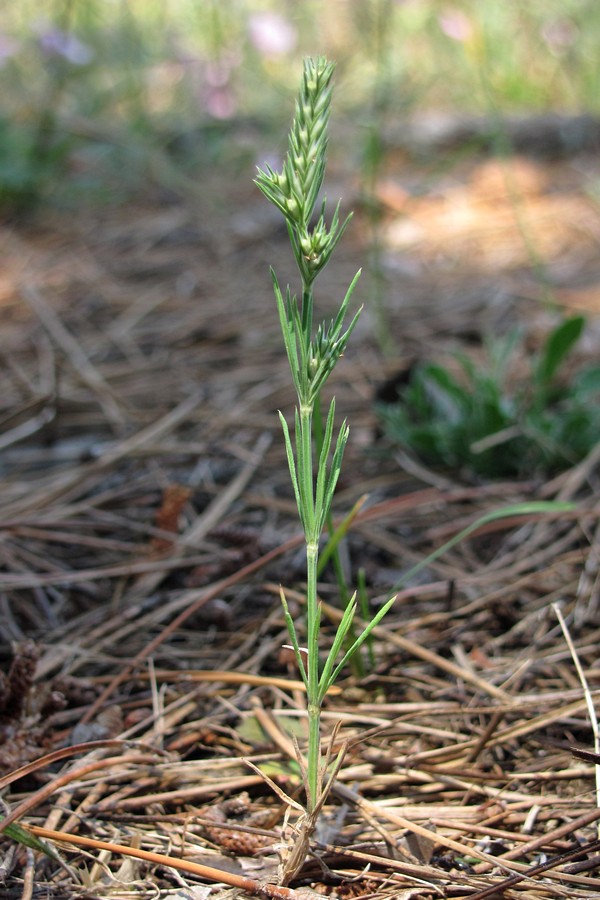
(313, 705)
(313, 614)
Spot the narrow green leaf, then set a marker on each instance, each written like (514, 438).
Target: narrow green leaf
(335, 235)
(337, 535)
(557, 347)
(291, 627)
(16, 833)
(364, 611)
(360, 640)
(291, 464)
(322, 476)
(286, 314)
(341, 633)
(533, 508)
(349, 292)
(334, 472)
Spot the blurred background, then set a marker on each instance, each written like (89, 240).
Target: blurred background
(102, 99)
(464, 136)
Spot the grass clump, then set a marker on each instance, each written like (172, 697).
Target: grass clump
(477, 421)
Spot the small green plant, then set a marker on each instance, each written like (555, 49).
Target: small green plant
(314, 464)
(476, 421)
(33, 153)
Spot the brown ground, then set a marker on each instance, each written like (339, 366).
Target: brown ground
(147, 522)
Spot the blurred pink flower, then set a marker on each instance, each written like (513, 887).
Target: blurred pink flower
(219, 102)
(559, 35)
(218, 95)
(455, 24)
(8, 48)
(56, 42)
(272, 34)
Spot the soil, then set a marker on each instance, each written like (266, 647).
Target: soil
(148, 522)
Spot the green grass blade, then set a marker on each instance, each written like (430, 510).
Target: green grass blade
(16, 833)
(342, 630)
(336, 467)
(321, 508)
(363, 605)
(291, 627)
(557, 347)
(339, 534)
(292, 465)
(532, 508)
(324, 687)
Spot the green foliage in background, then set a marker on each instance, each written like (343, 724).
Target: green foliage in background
(100, 97)
(478, 420)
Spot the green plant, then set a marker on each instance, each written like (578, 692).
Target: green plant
(476, 420)
(33, 148)
(314, 467)
(391, 98)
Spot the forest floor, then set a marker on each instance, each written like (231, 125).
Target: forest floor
(148, 522)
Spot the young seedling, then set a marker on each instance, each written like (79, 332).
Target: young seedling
(314, 467)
